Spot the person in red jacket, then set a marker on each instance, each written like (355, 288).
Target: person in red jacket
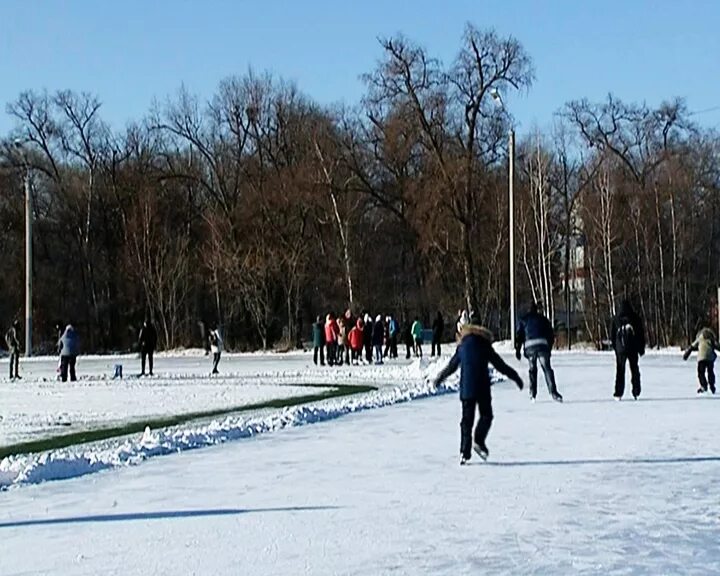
(331, 335)
(356, 341)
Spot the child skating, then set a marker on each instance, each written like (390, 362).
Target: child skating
(705, 344)
(473, 354)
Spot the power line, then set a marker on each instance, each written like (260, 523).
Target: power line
(696, 112)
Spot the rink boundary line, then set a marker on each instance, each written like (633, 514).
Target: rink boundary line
(58, 441)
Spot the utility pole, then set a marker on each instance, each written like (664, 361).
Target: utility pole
(511, 203)
(28, 262)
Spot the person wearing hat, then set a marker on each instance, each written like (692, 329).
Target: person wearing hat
(473, 355)
(13, 344)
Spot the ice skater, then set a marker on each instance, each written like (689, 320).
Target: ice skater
(628, 340)
(705, 344)
(216, 347)
(472, 356)
(536, 335)
(13, 344)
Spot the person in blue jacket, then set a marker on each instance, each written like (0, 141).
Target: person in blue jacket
(69, 345)
(536, 334)
(472, 356)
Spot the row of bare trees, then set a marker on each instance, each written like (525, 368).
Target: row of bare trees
(258, 208)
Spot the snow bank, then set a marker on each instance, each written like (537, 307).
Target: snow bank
(416, 382)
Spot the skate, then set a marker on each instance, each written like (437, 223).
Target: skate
(701, 390)
(557, 397)
(617, 398)
(464, 461)
(481, 450)
(712, 389)
(532, 399)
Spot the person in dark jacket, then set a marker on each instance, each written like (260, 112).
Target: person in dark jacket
(318, 335)
(378, 336)
(408, 338)
(368, 338)
(69, 345)
(13, 344)
(536, 334)
(438, 327)
(205, 336)
(473, 354)
(627, 336)
(147, 342)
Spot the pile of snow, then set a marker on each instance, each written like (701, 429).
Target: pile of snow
(417, 382)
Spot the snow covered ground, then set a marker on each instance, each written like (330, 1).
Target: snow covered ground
(39, 406)
(588, 487)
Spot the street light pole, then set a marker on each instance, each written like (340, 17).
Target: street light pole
(28, 263)
(511, 204)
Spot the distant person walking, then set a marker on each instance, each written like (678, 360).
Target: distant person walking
(438, 327)
(147, 342)
(216, 347)
(536, 334)
(69, 346)
(13, 344)
(628, 340)
(705, 344)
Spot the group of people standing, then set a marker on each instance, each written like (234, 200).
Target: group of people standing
(347, 340)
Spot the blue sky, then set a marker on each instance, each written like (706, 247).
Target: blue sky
(131, 52)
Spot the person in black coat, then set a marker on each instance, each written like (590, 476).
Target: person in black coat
(627, 336)
(368, 338)
(438, 327)
(473, 354)
(147, 342)
(378, 337)
(536, 334)
(408, 338)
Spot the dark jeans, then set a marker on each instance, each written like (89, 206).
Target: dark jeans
(408, 347)
(418, 347)
(435, 345)
(484, 404)
(319, 351)
(544, 356)
(368, 353)
(65, 363)
(393, 346)
(702, 367)
(14, 362)
(621, 358)
(378, 354)
(149, 355)
(216, 361)
(331, 352)
(356, 354)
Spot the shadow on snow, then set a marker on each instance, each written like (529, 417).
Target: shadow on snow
(586, 462)
(158, 515)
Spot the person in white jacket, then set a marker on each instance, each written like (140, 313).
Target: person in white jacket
(216, 347)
